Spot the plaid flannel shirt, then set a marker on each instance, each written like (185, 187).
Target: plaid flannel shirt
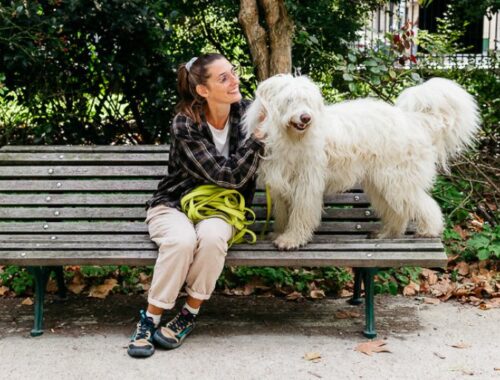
(194, 159)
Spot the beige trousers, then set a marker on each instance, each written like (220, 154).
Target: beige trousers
(191, 254)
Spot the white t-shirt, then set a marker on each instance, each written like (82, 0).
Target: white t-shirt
(221, 139)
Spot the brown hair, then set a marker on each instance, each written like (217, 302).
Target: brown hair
(190, 103)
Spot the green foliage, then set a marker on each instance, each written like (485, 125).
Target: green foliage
(379, 72)
(330, 279)
(88, 72)
(16, 278)
(485, 244)
(393, 280)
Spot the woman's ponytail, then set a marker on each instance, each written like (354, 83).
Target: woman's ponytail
(189, 75)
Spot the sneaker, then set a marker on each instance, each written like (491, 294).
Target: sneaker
(141, 341)
(173, 334)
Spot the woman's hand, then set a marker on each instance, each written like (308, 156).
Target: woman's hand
(259, 133)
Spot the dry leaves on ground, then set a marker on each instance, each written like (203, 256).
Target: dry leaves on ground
(3, 290)
(345, 314)
(461, 345)
(102, 291)
(368, 348)
(294, 296)
(431, 301)
(27, 302)
(77, 283)
(315, 357)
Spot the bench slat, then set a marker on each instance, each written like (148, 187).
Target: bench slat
(136, 199)
(128, 213)
(139, 227)
(86, 148)
(122, 184)
(35, 158)
(372, 245)
(144, 237)
(83, 171)
(251, 258)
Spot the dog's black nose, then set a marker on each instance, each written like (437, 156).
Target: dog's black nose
(305, 118)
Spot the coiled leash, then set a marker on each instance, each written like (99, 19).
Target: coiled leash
(209, 201)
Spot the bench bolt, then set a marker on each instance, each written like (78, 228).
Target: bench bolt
(53, 237)
(45, 226)
(61, 156)
(56, 213)
(59, 184)
(356, 197)
(23, 254)
(368, 213)
(51, 171)
(48, 199)
(358, 226)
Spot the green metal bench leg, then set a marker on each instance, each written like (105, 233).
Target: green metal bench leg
(41, 276)
(356, 296)
(368, 281)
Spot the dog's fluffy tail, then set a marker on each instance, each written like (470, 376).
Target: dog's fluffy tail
(451, 114)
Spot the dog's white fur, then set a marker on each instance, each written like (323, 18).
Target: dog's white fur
(392, 151)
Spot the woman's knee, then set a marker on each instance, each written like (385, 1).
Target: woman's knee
(184, 244)
(212, 245)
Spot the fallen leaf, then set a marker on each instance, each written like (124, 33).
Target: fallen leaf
(430, 275)
(372, 346)
(460, 292)
(431, 301)
(75, 288)
(102, 291)
(484, 306)
(51, 286)
(27, 301)
(345, 314)
(462, 268)
(312, 356)
(345, 293)
(317, 293)
(294, 296)
(144, 278)
(248, 289)
(461, 345)
(411, 289)
(440, 356)
(462, 232)
(3, 290)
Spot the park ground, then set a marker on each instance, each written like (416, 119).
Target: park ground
(255, 338)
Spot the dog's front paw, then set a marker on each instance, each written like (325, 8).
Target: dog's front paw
(286, 243)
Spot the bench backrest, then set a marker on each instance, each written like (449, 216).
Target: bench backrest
(58, 189)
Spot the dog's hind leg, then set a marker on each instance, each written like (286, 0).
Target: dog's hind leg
(428, 215)
(393, 223)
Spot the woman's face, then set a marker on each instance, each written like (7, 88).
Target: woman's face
(223, 84)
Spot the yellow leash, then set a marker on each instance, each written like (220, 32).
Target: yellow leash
(269, 206)
(209, 201)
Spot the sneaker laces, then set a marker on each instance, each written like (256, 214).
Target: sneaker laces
(181, 321)
(144, 327)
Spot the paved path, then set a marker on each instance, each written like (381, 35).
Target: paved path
(254, 338)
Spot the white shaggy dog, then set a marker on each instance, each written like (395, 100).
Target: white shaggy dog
(313, 149)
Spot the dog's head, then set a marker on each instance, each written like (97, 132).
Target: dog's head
(287, 104)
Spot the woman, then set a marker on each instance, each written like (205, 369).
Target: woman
(208, 146)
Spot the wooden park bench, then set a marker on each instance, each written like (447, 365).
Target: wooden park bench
(82, 205)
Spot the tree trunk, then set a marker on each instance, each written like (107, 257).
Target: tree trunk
(271, 49)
